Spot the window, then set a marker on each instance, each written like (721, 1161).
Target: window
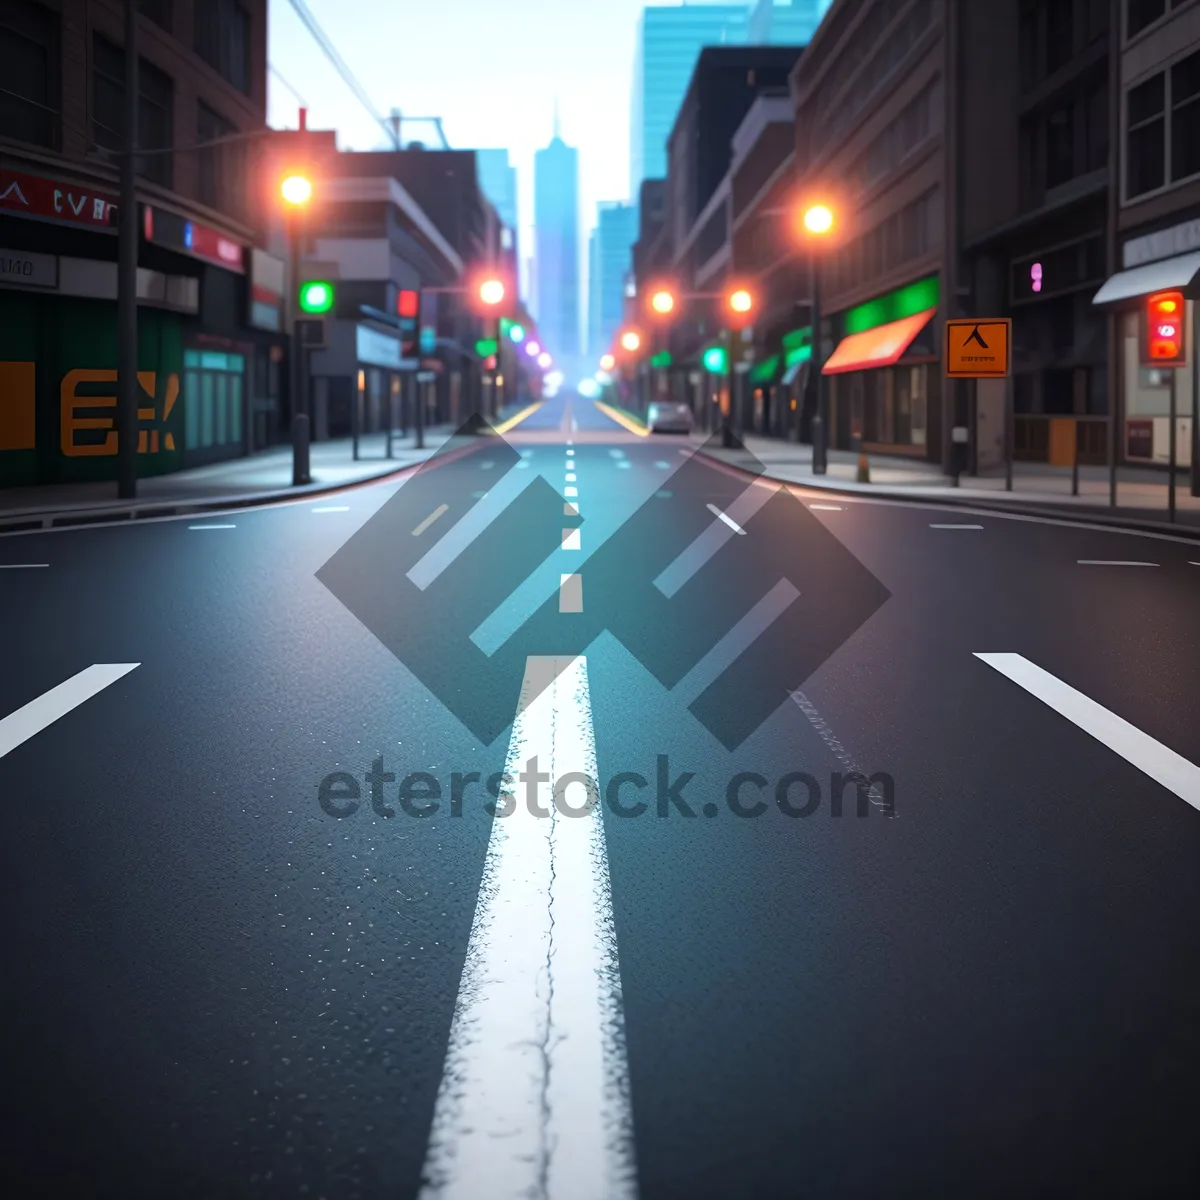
(1060, 33)
(29, 107)
(223, 40)
(1027, 46)
(1097, 128)
(1060, 146)
(1140, 13)
(1146, 145)
(1097, 19)
(219, 168)
(1185, 118)
(159, 11)
(155, 109)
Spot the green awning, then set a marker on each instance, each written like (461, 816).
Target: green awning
(904, 302)
(662, 359)
(765, 371)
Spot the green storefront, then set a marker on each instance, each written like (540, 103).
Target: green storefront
(58, 386)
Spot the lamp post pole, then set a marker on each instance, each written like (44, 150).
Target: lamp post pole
(820, 434)
(127, 253)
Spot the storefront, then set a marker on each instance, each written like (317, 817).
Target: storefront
(361, 380)
(1163, 260)
(884, 379)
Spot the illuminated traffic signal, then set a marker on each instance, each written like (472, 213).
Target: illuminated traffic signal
(408, 304)
(491, 292)
(662, 301)
(631, 340)
(486, 347)
(296, 189)
(607, 362)
(316, 296)
(516, 333)
(740, 301)
(715, 360)
(1166, 329)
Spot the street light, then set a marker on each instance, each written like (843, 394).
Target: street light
(607, 362)
(532, 349)
(296, 190)
(741, 301)
(817, 221)
(491, 292)
(544, 360)
(631, 340)
(662, 301)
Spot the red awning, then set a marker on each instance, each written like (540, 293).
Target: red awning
(878, 347)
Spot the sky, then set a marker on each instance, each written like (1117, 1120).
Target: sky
(491, 69)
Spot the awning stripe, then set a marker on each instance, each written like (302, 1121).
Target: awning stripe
(879, 347)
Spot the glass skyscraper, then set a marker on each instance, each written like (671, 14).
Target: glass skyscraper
(669, 41)
(608, 264)
(556, 259)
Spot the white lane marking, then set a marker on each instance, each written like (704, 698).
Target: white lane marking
(1151, 757)
(429, 520)
(617, 453)
(1112, 562)
(1193, 564)
(212, 526)
(624, 462)
(570, 453)
(663, 466)
(486, 465)
(570, 593)
(570, 491)
(716, 512)
(828, 507)
(955, 526)
(33, 717)
(570, 539)
(534, 1098)
(328, 508)
(570, 476)
(523, 465)
(526, 453)
(570, 510)
(739, 639)
(21, 566)
(675, 574)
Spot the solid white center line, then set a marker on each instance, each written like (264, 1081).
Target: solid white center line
(31, 719)
(828, 507)
(1151, 757)
(955, 526)
(570, 491)
(712, 508)
(1112, 562)
(429, 520)
(212, 526)
(570, 593)
(21, 566)
(534, 1099)
(332, 508)
(570, 539)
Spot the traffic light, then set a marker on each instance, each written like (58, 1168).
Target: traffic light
(662, 301)
(715, 360)
(316, 296)
(486, 347)
(408, 304)
(1166, 329)
(516, 332)
(296, 189)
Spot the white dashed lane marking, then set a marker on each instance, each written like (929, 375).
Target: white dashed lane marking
(429, 520)
(570, 594)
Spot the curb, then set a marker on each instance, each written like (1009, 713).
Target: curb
(1071, 516)
(62, 518)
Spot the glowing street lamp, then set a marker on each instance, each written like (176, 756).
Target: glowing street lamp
(631, 340)
(741, 301)
(491, 292)
(296, 190)
(544, 360)
(662, 302)
(818, 218)
(607, 362)
(532, 349)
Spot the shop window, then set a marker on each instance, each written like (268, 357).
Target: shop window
(213, 396)
(1185, 118)
(223, 40)
(29, 49)
(220, 179)
(1141, 13)
(1146, 138)
(155, 109)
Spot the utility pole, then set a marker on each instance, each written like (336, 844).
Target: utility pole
(127, 265)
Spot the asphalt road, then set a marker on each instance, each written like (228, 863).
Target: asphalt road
(987, 985)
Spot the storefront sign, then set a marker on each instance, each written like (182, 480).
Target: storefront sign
(376, 349)
(266, 291)
(28, 270)
(200, 241)
(1165, 243)
(52, 200)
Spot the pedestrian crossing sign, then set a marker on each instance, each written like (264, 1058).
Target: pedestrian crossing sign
(978, 349)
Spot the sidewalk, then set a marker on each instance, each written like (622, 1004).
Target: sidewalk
(1037, 487)
(254, 479)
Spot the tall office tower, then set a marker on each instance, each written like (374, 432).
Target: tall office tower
(609, 258)
(669, 41)
(498, 178)
(556, 236)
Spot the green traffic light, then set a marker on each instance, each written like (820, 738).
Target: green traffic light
(316, 296)
(517, 333)
(486, 347)
(714, 360)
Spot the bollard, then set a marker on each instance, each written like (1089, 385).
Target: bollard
(300, 448)
(864, 469)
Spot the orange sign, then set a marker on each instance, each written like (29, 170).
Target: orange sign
(978, 349)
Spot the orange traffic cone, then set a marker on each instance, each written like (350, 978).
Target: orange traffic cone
(864, 469)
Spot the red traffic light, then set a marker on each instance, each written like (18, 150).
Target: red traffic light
(1166, 329)
(408, 304)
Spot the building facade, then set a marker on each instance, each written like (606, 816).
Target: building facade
(498, 178)
(210, 299)
(609, 260)
(556, 259)
(669, 41)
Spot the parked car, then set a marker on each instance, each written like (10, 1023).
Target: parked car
(669, 418)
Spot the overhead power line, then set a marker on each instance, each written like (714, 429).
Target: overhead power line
(275, 71)
(339, 65)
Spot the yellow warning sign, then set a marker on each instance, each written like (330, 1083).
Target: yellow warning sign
(978, 349)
